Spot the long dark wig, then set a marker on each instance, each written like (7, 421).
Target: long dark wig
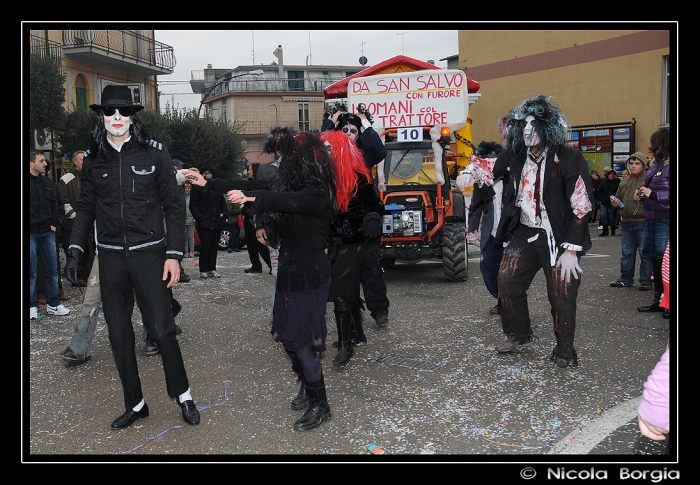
(138, 130)
(304, 161)
(550, 124)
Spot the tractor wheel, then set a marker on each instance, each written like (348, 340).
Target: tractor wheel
(454, 251)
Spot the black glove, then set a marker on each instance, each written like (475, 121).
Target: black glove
(371, 225)
(72, 263)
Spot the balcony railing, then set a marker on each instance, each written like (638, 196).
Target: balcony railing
(45, 48)
(124, 43)
(253, 85)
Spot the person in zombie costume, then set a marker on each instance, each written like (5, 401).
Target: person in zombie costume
(547, 202)
(484, 209)
(298, 212)
(351, 234)
(358, 127)
(128, 190)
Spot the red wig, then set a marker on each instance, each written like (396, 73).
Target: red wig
(349, 165)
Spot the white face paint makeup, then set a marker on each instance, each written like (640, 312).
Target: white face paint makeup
(530, 135)
(117, 124)
(351, 131)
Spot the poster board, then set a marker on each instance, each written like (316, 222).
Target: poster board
(604, 145)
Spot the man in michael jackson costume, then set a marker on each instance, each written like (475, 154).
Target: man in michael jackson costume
(547, 202)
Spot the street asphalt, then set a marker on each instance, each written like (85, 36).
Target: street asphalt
(428, 388)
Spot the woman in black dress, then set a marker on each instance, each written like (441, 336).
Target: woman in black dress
(298, 211)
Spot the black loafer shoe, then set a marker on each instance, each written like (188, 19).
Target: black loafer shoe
(644, 287)
(129, 417)
(151, 348)
(252, 270)
(189, 411)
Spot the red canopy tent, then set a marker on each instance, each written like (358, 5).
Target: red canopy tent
(390, 66)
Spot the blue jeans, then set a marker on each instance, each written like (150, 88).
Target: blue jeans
(44, 244)
(608, 216)
(632, 234)
(655, 238)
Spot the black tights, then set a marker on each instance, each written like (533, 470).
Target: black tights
(308, 362)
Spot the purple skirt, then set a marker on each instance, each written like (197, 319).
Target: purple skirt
(299, 318)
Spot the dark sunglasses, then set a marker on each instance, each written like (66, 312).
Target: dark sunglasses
(351, 130)
(126, 112)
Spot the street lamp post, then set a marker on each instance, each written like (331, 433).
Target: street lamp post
(257, 72)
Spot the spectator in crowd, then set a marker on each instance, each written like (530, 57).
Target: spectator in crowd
(544, 223)
(233, 212)
(189, 223)
(256, 249)
(60, 237)
(595, 181)
(135, 256)
(44, 219)
(657, 210)
(608, 212)
(632, 225)
(210, 215)
(69, 186)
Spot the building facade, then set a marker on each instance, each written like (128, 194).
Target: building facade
(613, 81)
(280, 95)
(91, 59)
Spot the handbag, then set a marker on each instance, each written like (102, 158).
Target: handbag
(240, 221)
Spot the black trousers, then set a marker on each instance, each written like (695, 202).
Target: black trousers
(120, 277)
(520, 263)
(373, 284)
(208, 248)
(256, 249)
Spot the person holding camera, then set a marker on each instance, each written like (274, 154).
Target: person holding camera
(657, 209)
(358, 127)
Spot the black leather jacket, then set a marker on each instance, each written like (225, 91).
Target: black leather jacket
(127, 194)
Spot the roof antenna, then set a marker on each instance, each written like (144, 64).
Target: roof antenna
(253, 32)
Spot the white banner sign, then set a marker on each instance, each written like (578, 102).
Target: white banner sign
(418, 98)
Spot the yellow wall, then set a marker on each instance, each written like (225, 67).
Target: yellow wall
(600, 88)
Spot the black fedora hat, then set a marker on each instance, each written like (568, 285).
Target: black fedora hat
(116, 96)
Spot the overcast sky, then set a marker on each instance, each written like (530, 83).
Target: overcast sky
(228, 49)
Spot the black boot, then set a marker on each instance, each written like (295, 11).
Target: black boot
(654, 307)
(604, 233)
(302, 399)
(319, 410)
(612, 231)
(357, 333)
(345, 351)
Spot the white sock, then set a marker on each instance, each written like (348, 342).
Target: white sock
(138, 407)
(185, 396)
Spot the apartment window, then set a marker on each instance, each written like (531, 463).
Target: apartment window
(296, 80)
(81, 92)
(666, 96)
(303, 110)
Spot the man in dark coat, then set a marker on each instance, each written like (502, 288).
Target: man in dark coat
(547, 203)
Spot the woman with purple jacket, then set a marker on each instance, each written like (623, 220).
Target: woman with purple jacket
(657, 209)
